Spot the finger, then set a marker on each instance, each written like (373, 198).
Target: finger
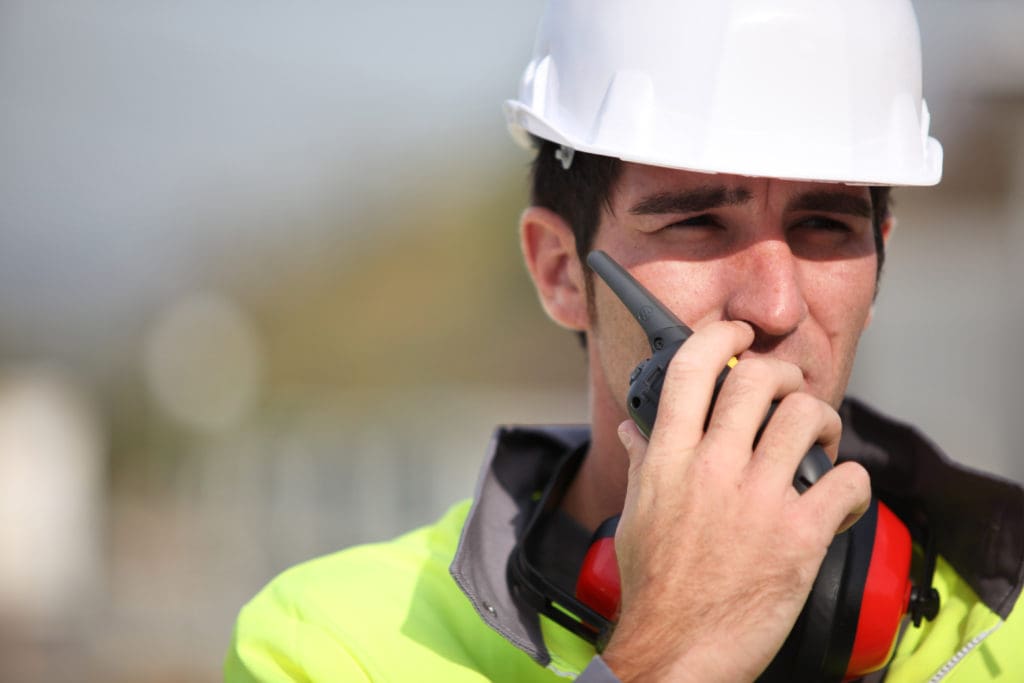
(744, 401)
(636, 449)
(799, 421)
(690, 382)
(635, 444)
(839, 498)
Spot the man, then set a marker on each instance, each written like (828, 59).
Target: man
(736, 159)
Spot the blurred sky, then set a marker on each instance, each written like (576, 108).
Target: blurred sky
(141, 143)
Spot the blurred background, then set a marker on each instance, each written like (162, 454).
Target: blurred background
(261, 297)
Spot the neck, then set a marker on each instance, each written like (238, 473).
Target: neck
(599, 488)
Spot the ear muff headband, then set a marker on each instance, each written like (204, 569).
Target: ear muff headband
(529, 585)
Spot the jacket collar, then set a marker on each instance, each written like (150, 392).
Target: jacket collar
(520, 462)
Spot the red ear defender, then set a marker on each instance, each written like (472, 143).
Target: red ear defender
(598, 585)
(851, 621)
(886, 597)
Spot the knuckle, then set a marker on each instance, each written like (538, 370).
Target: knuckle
(808, 535)
(832, 420)
(858, 480)
(813, 533)
(706, 344)
(768, 372)
(801, 403)
(752, 371)
(850, 490)
(685, 363)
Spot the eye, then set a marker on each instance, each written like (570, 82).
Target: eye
(824, 237)
(823, 224)
(822, 231)
(704, 220)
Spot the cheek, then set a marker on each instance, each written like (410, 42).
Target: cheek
(841, 304)
(851, 289)
(618, 341)
(695, 292)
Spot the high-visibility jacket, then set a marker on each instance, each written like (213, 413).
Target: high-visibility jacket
(428, 606)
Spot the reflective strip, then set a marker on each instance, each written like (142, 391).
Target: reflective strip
(963, 652)
(561, 673)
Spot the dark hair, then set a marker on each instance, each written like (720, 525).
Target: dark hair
(578, 194)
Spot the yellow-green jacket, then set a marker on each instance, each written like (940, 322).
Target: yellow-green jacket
(434, 605)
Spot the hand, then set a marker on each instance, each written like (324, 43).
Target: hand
(717, 551)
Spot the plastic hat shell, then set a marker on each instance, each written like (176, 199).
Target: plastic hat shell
(801, 89)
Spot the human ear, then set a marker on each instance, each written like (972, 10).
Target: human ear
(887, 226)
(549, 250)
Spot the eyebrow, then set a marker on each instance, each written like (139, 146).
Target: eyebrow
(691, 201)
(832, 202)
(713, 197)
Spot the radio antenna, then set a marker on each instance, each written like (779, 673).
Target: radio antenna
(660, 325)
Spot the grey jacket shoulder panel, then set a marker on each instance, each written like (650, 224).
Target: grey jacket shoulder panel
(519, 463)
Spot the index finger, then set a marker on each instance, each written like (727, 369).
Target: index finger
(690, 382)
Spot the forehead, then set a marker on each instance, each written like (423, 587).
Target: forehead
(638, 183)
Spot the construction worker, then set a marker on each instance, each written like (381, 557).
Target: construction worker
(735, 158)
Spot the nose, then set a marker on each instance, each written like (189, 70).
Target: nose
(767, 291)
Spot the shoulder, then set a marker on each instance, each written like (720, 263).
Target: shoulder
(353, 615)
(966, 643)
(354, 574)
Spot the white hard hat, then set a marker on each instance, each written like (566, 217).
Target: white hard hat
(801, 89)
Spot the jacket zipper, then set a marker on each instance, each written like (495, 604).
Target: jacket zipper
(963, 652)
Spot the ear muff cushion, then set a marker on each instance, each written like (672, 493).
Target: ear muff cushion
(886, 598)
(851, 592)
(819, 646)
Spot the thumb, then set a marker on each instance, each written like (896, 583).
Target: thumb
(634, 442)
